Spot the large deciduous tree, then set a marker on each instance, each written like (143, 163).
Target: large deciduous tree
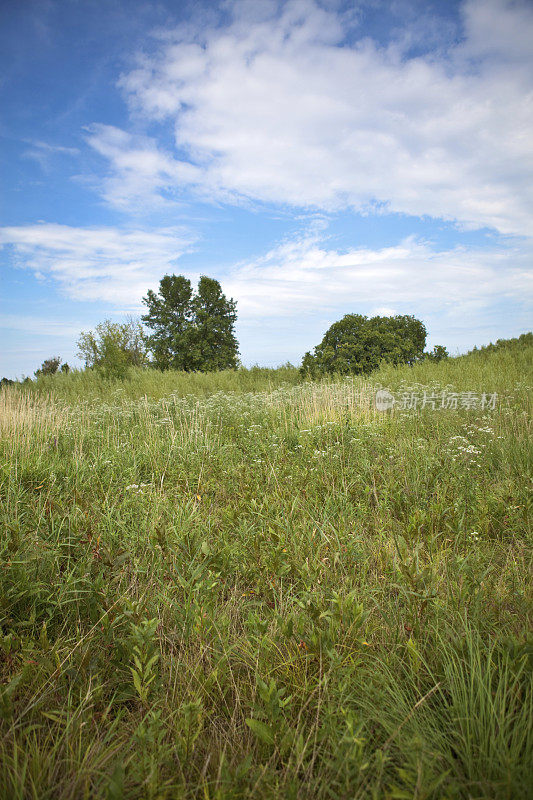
(191, 331)
(215, 345)
(169, 317)
(356, 345)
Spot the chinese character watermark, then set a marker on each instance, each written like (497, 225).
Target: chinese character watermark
(436, 401)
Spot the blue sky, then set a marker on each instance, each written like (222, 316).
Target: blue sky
(318, 158)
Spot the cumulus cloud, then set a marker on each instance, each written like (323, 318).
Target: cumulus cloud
(107, 264)
(276, 105)
(141, 170)
(500, 29)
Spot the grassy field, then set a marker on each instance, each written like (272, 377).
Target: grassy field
(246, 586)
(82, 386)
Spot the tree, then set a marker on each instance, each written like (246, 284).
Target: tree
(356, 345)
(169, 316)
(48, 367)
(214, 345)
(438, 353)
(113, 347)
(191, 331)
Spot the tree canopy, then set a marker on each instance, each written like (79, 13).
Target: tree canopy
(191, 331)
(113, 347)
(357, 344)
(49, 367)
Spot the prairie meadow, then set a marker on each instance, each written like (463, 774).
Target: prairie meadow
(247, 585)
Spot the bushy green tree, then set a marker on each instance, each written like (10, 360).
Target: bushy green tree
(214, 345)
(191, 331)
(438, 353)
(357, 344)
(169, 317)
(113, 347)
(48, 367)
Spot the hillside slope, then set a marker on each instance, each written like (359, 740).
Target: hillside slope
(283, 593)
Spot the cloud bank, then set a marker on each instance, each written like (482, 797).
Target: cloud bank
(104, 264)
(301, 276)
(276, 105)
(306, 276)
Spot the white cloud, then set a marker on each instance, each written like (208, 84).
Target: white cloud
(382, 311)
(108, 264)
(289, 296)
(499, 28)
(141, 170)
(43, 151)
(278, 107)
(303, 277)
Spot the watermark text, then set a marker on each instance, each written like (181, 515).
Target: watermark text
(436, 401)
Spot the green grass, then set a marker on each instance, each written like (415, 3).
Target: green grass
(87, 385)
(240, 585)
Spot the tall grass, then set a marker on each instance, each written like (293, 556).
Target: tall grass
(243, 585)
(91, 385)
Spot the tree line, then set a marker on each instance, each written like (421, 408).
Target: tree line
(189, 330)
